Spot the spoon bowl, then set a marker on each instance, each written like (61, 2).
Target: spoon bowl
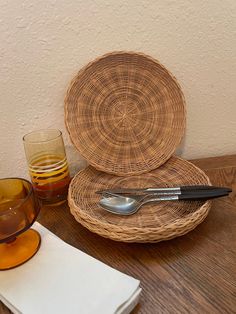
(122, 205)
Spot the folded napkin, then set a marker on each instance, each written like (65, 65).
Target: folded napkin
(62, 279)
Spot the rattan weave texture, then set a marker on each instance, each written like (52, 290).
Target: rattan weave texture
(125, 113)
(152, 223)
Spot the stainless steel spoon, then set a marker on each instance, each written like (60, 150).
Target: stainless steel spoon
(122, 205)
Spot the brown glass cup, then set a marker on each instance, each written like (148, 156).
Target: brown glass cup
(19, 209)
(47, 162)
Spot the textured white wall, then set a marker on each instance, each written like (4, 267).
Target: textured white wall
(44, 43)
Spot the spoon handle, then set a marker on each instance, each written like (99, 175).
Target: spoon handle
(199, 197)
(170, 190)
(162, 198)
(193, 197)
(204, 188)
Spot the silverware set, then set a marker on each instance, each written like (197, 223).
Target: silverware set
(123, 201)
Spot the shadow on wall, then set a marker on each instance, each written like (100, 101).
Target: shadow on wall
(75, 160)
(180, 150)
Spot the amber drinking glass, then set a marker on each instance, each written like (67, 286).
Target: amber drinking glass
(48, 168)
(19, 209)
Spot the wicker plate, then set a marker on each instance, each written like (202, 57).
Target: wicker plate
(125, 113)
(152, 223)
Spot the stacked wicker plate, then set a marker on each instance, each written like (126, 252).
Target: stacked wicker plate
(125, 114)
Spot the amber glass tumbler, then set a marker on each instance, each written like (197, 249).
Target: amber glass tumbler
(48, 168)
(19, 209)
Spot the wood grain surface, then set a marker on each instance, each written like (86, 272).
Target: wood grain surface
(195, 273)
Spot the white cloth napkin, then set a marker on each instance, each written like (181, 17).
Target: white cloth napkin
(62, 279)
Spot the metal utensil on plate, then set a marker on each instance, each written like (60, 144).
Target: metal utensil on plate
(166, 191)
(123, 205)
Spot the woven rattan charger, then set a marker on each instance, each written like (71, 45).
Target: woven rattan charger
(125, 114)
(152, 223)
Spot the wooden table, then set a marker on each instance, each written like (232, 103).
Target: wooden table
(195, 273)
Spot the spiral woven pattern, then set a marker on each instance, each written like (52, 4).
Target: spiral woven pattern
(153, 222)
(125, 113)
